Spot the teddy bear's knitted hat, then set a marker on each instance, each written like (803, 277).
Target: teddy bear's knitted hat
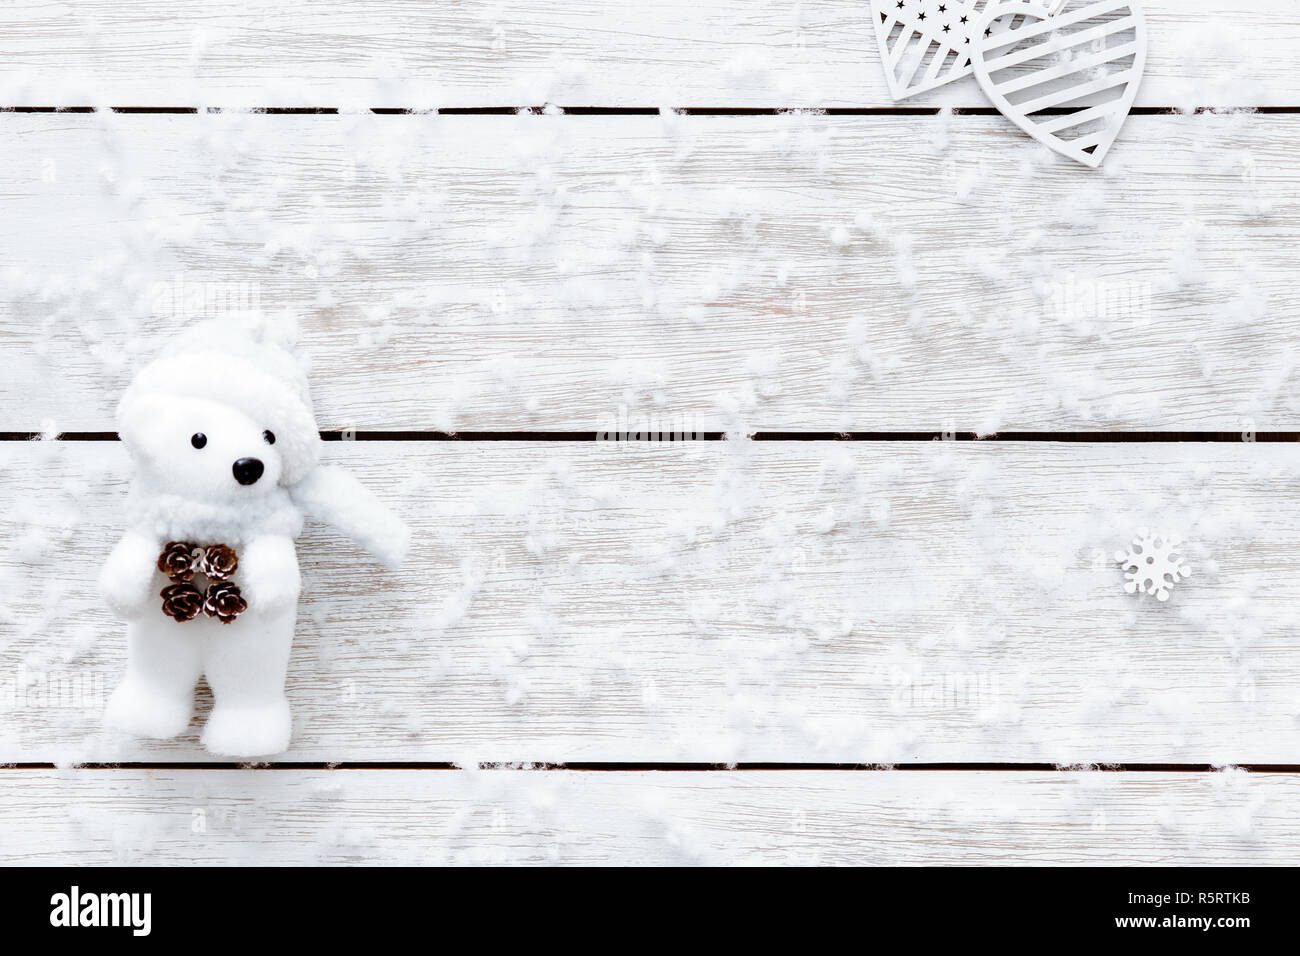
(247, 362)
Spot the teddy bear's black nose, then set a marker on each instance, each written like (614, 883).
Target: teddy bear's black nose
(248, 470)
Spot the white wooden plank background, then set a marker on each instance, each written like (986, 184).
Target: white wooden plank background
(849, 273)
(717, 602)
(411, 53)
(713, 602)
(539, 817)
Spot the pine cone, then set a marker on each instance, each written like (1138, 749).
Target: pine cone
(219, 562)
(177, 561)
(224, 602)
(182, 601)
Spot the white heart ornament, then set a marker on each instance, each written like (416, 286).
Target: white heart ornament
(925, 44)
(1070, 80)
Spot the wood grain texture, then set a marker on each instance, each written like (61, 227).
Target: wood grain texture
(716, 602)
(796, 272)
(703, 602)
(410, 53)
(288, 817)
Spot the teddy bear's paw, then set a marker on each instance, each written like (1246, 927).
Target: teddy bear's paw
(248, 731)
(126, 580)
(273, 593)
(271, 578)
(144, 713)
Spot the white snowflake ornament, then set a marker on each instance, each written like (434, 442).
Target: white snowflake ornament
(1154, 563)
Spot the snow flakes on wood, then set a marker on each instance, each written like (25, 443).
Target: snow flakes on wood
(1068, 81)
(1154, 563)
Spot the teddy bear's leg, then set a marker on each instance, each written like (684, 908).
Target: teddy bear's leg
(245, 663)
(156, 698)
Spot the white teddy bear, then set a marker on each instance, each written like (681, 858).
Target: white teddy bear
(226, 449)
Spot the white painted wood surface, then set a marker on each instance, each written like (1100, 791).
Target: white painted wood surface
(754, 602)
(807, 602)
(852, 273)
(282, 817)
(412, 53)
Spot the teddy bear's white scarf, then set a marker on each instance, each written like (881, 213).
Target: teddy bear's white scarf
(176, 518)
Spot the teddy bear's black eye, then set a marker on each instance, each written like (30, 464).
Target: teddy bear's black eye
(199, 440)
(269, 436)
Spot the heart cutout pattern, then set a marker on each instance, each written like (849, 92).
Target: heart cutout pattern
(1069, 81)
(925, 44)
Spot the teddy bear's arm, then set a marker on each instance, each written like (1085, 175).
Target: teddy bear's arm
(127, 578)
(333, 496)
(268, 572)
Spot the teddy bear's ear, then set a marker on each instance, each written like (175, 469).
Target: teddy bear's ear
(274, 328)
(280, 329)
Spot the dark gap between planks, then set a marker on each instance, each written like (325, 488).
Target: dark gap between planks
(636, 767)
(636, 110)
(1075, 437)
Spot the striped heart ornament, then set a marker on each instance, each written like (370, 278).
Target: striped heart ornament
(925, 44)
(1069, 80)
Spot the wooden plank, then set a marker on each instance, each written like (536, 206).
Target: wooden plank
(713, 273)
(409, 53)
(302, 818)
(746, 601)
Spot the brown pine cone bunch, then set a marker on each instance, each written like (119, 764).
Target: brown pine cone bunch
(182, 601)
(224, 602)
(177, 560)
(219, 562)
